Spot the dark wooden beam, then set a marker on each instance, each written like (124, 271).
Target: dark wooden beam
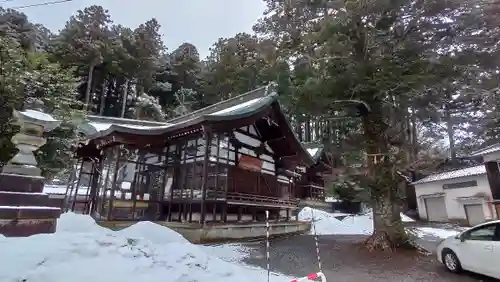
(208, 139)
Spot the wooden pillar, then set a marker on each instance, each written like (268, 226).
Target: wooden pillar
(136, 181)
(175, 178)
(240, 211)
(113, 184)
(74, 191)
(224, 213)
(208, 139)
(287, 214)
(94, 187)
(493, 174)
(183, 168)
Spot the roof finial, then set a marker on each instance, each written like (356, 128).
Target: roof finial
(271, 88)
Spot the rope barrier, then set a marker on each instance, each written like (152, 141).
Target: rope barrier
(267, 246)
(316, 242)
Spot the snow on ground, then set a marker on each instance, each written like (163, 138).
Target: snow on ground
(82, 251)
(228, 252)
(327, 224)
(435, 232)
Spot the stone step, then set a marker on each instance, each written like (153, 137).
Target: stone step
(27, 227)
(21, 183)
(26, 199)
(29, 212)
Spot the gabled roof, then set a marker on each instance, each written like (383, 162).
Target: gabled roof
(452, 174)
(235, 108)
(253, 103)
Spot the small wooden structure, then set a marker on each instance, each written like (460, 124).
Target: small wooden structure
(312, 182)
(228, 162)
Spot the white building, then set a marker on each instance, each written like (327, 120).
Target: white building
(462, 196)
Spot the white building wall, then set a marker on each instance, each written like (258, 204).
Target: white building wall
(491, 157)
(455, 208)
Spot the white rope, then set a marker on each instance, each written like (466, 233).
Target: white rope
(267, 246)
(316, 242)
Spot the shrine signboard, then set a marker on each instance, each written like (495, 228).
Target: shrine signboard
(250, 163)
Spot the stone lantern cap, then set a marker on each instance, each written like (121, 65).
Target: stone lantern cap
(48, 122)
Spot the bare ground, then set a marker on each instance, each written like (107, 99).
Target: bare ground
(344, 261)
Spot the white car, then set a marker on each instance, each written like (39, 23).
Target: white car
(476, 250)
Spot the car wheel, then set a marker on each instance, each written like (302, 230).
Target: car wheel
(451, 261)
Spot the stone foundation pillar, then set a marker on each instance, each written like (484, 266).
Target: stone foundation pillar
(24, 209)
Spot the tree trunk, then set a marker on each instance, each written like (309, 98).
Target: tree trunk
(451, 135)
(298, 127)
(307, 129)
(389, 232)
(317, 134)
(414, 137)
(89, 86)
(124, 98)
(103, 97)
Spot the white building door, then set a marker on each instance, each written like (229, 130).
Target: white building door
(436, 209)
(475, 214)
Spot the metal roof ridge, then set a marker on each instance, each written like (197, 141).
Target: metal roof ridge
(480, 151)
(124, 121)
(425, 179)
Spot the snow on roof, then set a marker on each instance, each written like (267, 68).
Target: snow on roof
(62, 189)
(94, 127)
(312, 151)
(470, 171)
(234, 106)
(237, 107)
(487, 150)
(331, 200)
(38, 115)
(29, 208)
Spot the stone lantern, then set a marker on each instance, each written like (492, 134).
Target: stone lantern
(24, 209)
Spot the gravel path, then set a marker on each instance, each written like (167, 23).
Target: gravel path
(344, 261)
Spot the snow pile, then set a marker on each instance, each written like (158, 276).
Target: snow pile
(406, 218)
(434, 232)
(326, 224)
(79, 223)
(82, 251)
(153, 232)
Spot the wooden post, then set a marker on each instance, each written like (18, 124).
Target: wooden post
(75, 191)
(193, 182)
(228, 171)
(135, 181)
(104, 185)
(240, 211)
(113, 184)
(94, 190)
(207, 136)
(214, 212)
(175, 179)
(183, 167)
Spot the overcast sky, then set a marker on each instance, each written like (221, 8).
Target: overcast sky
(200, 22)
